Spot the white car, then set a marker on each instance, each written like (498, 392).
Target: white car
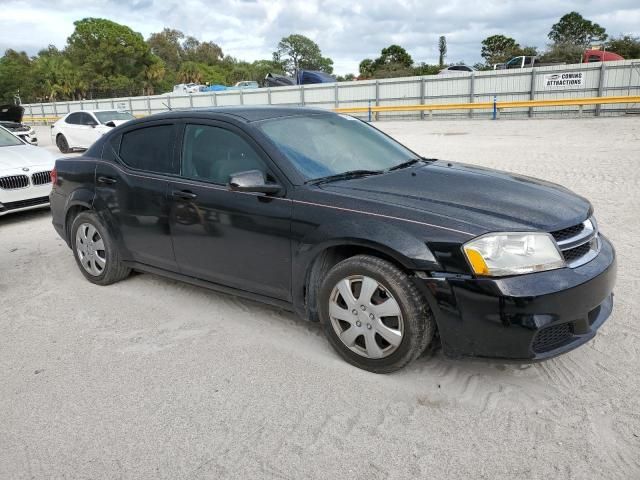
(78, 130)
(25, 174)
(186, 88)
(457, 70)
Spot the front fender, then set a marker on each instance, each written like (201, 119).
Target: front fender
(402, 244)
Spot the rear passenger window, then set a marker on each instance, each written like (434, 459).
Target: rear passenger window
(150, 149)
(74, 119)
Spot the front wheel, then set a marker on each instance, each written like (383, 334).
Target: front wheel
(95, 252)
(62, 144)
(373, 315)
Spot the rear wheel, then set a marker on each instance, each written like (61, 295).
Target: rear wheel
(373, 315)
(62, 144)
(95, 252)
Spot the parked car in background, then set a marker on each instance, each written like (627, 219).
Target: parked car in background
(303, 77)
(11, 119)
(591, 56)
(524, 61)
(325, 215)
(78, 130)
(25, 174)
(246, 84)
(275, 80)
(456, 70)
(186, 88)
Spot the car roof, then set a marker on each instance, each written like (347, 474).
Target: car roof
(242, 113)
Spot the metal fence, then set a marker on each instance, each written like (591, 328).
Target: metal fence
(595, 80)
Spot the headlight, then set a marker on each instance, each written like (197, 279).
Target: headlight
(500, 254)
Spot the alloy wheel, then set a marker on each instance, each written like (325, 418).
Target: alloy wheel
(90, 249)
(366, 317)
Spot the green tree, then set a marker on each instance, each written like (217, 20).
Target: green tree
(349, 77)
(394, 55)
(297, 52)
(16, 76)
(562, 53)
(366, 68)
(574, 29)
(56, 78)
(167, 45)
(191, 72)
(442, 49)
(499, 49)
(111, 57)
(426, 69)
(625, 45)
(208, 53)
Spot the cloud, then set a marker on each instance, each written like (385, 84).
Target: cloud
(345, 31)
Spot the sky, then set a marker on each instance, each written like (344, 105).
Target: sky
(347, 31)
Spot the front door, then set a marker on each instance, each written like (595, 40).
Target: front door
(240, 240)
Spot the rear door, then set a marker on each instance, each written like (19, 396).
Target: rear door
(87, 131)
(131, 191)
(241, 240)
(72, 129)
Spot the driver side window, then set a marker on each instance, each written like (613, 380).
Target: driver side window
(213, 154)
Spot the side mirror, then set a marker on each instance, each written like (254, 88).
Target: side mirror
(252, 181)
(110, 124)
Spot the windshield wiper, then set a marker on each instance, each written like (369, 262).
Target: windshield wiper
(343, 176)
(406, 164)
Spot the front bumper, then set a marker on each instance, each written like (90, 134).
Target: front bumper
(528, 317)
(26, 198)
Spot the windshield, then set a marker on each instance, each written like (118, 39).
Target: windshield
(104, 117)
(8, 140)
(324, 145)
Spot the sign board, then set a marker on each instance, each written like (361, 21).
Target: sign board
(563, 80)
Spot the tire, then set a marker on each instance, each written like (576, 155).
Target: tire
(362, 324)
(99, 261)
(62, 144)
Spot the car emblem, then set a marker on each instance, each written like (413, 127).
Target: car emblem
(25, 169)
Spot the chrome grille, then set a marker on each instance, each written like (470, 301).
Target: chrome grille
(567, 233)
(579, 243)
(14, 182)
(41, 178)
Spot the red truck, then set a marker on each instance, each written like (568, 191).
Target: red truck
(600, 56)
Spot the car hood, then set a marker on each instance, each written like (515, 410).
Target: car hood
(483, 199)
(11, 113)
(25, 156)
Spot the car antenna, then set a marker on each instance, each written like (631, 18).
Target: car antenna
(168, 106)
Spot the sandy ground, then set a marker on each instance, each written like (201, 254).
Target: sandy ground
(150, 378)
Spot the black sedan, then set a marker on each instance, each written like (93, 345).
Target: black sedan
(325, 215)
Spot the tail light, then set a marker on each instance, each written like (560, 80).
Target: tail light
(54, 176)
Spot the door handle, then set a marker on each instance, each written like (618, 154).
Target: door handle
(107, 180)
(183, 194)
